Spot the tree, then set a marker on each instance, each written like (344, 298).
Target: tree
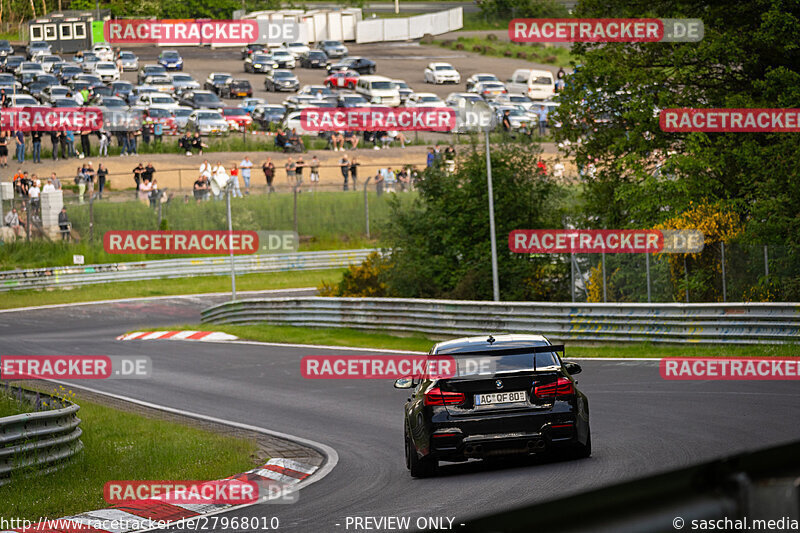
(749, 58)
(439, 247)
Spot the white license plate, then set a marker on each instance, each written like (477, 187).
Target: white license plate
(497, 398)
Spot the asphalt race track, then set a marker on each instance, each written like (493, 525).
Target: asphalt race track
(641, 424)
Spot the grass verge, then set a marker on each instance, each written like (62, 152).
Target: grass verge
(167, 287)
(120, 445)
(550, 55)
(420, 343)
(11, 406)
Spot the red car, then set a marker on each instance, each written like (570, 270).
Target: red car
(236, 117)
(164, 117)
(343, 79)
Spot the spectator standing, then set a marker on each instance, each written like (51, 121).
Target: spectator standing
(431, 158)
(221, 178)
(145, 188)
(155, 194)
(158, 132)
(90, 175)
(314, 165)
(268, 167)
(290, 172)
(104, 140)
(86, 146)
(33, 193)
(379, 183)
(298, 171)
(132, 134)
(19, 139)
(63, 224)
(390, 180)
(3, 148)
(246, 165)
(138, 172)
(295, 141)
(54, 143)
(236, 192)
(344, 165)
(200, 188)
(354, 172)
(450, 158)
(56, 181)
(147, 127)
(70, 143)
(102, 174)
(507, 121)
(80, 181)
(63, 150)
(542, 114)
(149, 171)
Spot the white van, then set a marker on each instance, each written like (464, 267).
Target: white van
(536, 84)
(378, 90)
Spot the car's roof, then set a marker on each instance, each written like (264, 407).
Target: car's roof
(482, 344)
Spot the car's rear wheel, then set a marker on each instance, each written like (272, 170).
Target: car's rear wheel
(581, 451)
(419, 467)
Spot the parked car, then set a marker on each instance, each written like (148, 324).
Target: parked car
(404, 89)
(149, 71)
(216, 80)
(87, 61)
(207, 122)
(107, 71)
(12, 62)
(264, 115)
(489, 90)
(237, 118)
(536, 84)
(425, 100)
(362, 65)
(477, 78)
(236, 88)
(184, 82)
(251, 48)
(181, 114)
(342, 79)
(129, 60)
(259, 62)
(249, 104)
(27, 70)
(69, 71)
(351, 100)
(170, 60)
(283, 58)
(296, 49)
(281, 80)
(378, 90)
(333, 48)
(53, 92)
(437, 73)
(162, 100)
(163, 116)
(103, 51)
(48, 61)
(314, 59)
(5, 48)
(201, 100)
(37, 48)
(121, 88)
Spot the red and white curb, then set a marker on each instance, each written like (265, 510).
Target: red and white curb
(177, 336)
(153, 513)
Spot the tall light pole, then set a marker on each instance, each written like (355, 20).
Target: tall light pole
(495, 277)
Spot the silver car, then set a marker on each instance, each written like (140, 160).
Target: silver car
(37, 48)
(184, 82)
(128, 60)
(181, 114)
(207, 122)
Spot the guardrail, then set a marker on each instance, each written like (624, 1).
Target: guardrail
(38, 278)
(41, 438)
(734, 323)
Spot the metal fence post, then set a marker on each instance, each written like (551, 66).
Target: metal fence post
(572, 276)
(229, 190)
(766, 263)
(605, 294)
(686, 277)
(91, 218)
(724, 286)
(366, 204)
(294, 188)
(27, 219)
(647, 268)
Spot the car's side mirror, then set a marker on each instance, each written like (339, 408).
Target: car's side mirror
(572, 368)
(403, 383)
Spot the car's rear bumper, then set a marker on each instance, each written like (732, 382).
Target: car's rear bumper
(451, 444)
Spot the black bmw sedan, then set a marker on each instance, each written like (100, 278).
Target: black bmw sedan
(505, 395)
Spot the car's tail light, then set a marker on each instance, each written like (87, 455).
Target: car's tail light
(562, 387)
(436, 396)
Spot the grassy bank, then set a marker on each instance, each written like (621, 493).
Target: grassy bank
(121, 445)
(534, 52)
(166, 287)
(420, 343)
(11, 406)
(325, 220)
